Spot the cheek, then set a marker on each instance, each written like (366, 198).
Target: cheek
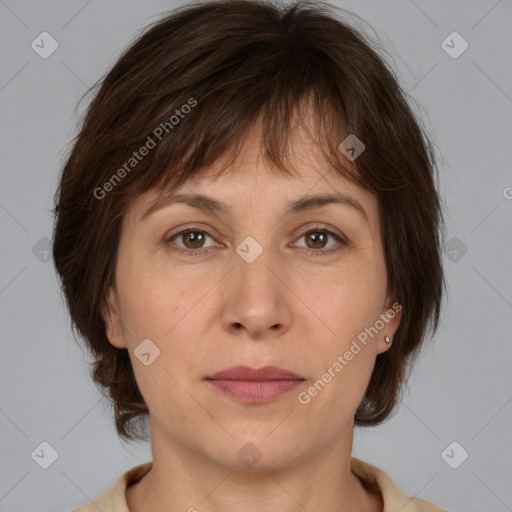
(348, 302)
(163, 312)
(349, 309)
(151, 300)
(337, 390)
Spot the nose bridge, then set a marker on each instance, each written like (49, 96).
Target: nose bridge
(257, 300)
(253, 264)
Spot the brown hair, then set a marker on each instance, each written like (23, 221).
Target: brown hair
(188, 89)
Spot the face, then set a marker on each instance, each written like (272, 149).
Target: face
(253, 283)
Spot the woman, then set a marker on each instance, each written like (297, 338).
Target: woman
(248, 237)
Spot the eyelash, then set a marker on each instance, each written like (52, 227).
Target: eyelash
(309, 252)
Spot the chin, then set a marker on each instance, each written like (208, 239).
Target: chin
(245, 452)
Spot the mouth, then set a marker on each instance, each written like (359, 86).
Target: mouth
(253, 386)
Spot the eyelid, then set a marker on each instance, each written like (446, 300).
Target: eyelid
(339, 237)
(184, 229)
(303, 232)
(321, 227)
(310, 229)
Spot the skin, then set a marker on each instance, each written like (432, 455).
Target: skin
(287, 308)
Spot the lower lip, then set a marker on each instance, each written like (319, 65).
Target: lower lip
(255, 392)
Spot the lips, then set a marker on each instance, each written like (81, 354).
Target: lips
(252, 386)
(249, 374)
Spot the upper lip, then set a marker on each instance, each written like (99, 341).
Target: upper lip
(260, 374)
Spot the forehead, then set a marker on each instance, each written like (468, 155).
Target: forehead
(251, 182)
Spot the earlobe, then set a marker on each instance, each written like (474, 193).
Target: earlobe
(385, 343)
(113, 325)
(391, 315)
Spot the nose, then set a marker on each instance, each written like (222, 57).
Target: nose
(258, 299)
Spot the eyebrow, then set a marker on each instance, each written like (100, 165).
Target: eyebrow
(210, 204)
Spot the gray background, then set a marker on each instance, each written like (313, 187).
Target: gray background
(460, 391)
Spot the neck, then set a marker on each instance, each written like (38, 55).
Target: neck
(182, 479)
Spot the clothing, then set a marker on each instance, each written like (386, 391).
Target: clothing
(114, 498)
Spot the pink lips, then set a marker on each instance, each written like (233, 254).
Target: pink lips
(255, 386)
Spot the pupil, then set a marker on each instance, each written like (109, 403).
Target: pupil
(197, 235)
(318, 236)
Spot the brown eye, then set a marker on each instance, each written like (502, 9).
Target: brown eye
(189, 241)
(317, 238)
(193, 239)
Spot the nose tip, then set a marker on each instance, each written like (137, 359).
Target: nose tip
(256, 300)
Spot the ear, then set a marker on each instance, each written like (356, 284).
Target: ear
(112, 319)
(391, 315)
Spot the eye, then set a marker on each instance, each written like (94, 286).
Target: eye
(316, 238)
(192, 239)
